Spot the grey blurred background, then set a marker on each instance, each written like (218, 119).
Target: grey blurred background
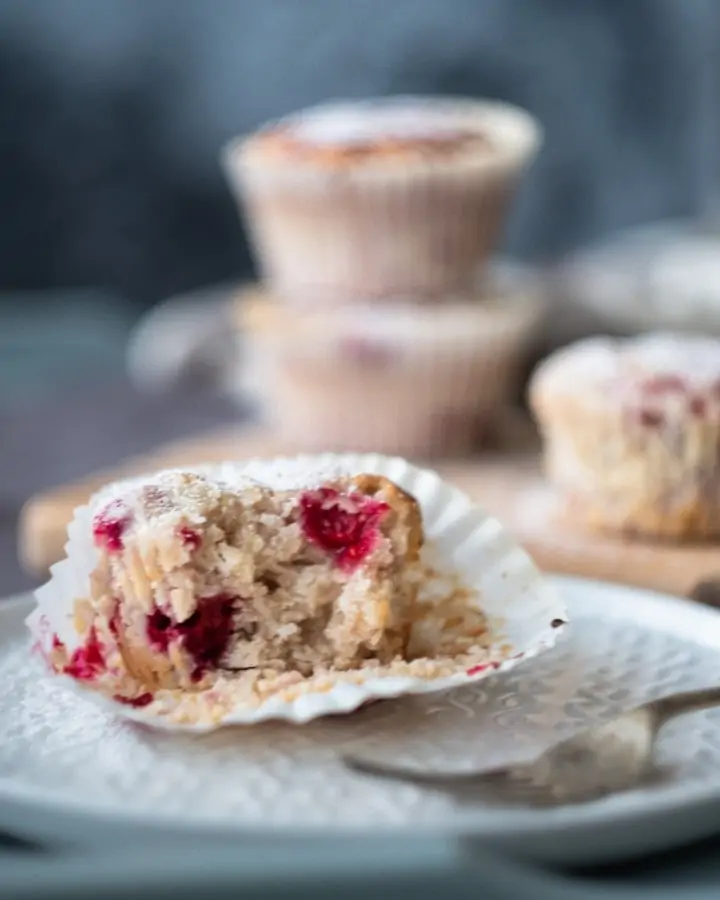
(112, 113)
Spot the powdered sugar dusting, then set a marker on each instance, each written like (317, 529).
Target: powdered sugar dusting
(697, 357)
(190, 487)
(301, 473)
(176, 498)
(173, 491)
(598, 361)
(362, 123)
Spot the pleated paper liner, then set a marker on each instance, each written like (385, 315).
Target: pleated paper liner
(419, 225)
(478, 576)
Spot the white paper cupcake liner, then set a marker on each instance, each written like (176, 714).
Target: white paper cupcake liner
(324, 238)
(396, 379)
(470, 548)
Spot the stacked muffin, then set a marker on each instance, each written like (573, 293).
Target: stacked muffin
(383, 326)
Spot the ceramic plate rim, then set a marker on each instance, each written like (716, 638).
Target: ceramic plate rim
(485, 823)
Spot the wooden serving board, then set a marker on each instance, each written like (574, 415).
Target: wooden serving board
(509, 486)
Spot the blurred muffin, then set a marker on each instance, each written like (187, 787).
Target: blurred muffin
(632, 433)
(416, 381)
(402, 195)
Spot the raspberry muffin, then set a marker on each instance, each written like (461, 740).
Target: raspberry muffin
(198, 580)
(402, 195)
(414, 381)
(632, 433)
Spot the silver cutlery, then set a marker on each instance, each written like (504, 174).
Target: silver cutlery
(615, 756)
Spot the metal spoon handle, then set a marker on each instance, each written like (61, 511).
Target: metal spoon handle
(430, 779)
(667, 708)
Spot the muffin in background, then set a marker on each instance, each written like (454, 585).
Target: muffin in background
(380, 198)
(419, 382)
(631, 431)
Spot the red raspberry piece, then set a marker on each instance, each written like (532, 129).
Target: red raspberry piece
(698, 406)
(204, 636)
(110, 524)
(115, 622)
(665, 384)
(88, 661)
(189, 537)
(651, 418)
(365, 351)
(160, 630)
(137, 702)
(482, 667)
(344, 525)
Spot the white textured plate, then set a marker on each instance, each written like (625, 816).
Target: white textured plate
(66, 767)
(522, 609)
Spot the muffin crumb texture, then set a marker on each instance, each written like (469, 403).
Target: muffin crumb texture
(208, 596)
